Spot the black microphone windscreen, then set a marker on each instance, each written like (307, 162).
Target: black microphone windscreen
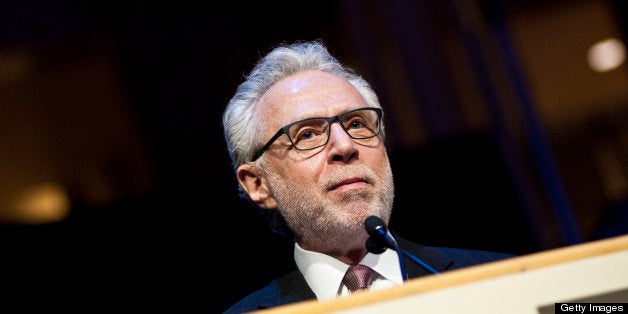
(372, 223)
(376, 245)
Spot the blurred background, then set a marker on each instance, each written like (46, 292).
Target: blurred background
(506, 125)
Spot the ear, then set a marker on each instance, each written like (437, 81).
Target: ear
(255, 185)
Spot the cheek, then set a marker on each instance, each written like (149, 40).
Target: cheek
(296, 173)
(301, 174)
(378, 160)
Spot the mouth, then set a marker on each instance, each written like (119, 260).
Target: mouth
(349, 183)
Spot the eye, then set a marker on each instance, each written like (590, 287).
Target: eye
(305, 135)
(308, 133)
(355, 124)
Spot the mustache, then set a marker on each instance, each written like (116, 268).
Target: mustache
(343, 174)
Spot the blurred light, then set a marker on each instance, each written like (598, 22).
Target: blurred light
(42, 203)
(15, 66)
(606, 55)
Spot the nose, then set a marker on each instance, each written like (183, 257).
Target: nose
(341, 146)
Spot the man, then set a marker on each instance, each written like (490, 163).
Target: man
(306, 138)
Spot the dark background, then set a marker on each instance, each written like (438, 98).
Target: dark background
(120, 104)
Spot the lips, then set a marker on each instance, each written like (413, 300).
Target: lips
(347, 182)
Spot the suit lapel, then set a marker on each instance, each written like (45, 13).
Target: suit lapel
(290, 288)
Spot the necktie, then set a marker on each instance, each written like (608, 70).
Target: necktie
(358, 277)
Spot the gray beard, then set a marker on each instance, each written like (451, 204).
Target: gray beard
(317, 224)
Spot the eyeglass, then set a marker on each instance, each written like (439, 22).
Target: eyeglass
(311, 133)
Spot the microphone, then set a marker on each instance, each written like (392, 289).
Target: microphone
(375, 246)
(380, 240)
(376, 228)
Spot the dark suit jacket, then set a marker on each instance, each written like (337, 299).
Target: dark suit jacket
(292, 287)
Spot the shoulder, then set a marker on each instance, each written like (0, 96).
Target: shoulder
(469, 257)
(448, 258)
(254, 301)
(290, 288)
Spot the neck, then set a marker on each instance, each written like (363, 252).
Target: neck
(348, 254)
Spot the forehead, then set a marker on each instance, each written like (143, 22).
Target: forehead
(307, 94)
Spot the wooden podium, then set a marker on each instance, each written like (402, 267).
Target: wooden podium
(594, 272)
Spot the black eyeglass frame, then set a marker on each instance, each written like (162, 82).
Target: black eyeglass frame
(330, 121)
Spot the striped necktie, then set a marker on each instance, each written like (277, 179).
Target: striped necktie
(358, 278)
